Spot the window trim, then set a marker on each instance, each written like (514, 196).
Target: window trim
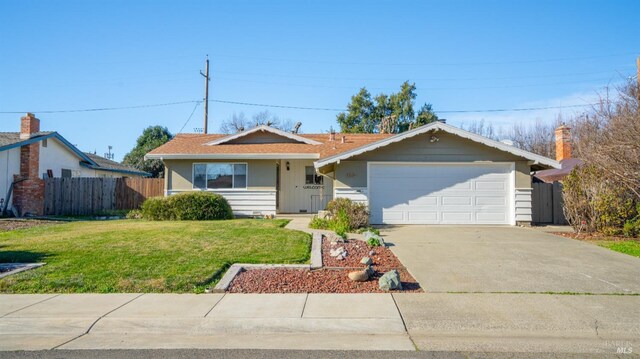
(315, 176)
(233, 179)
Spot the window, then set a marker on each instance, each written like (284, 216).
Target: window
(44, 143)
(219, 175)
(66, 173)
(310, 176)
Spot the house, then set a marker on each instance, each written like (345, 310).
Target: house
(28, 156)
(434, 174)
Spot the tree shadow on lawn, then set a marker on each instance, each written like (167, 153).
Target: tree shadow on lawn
(22, 256)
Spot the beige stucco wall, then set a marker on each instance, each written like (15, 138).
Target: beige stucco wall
(261, 174)
(448, 148)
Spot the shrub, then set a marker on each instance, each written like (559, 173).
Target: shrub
(340, 223)
(595, 203)
(356, 213)
(156, 209)
(373, 238)
(198, 206)
(319, 223)
(134, 214)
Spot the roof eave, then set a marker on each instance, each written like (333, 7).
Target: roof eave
(98, 168)
(231, 156)
(537, 159)
(270, 129)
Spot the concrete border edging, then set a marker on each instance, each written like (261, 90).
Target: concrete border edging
(316, 250)
(236, 268)
(21, 267)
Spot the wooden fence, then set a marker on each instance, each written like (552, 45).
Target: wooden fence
(547, 203)
(88, 196)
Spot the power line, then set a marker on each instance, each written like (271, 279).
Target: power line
(191, 115)
(103, 108)
(197, 102)
(610, 72)
(429, 64)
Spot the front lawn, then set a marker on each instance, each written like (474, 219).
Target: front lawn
(143, 256)
(630, 247)
(619, 244)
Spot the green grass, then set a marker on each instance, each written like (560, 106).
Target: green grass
(143, 256)
(629, 247)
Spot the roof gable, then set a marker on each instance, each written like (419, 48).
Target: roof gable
(434, 127)
(278, 136)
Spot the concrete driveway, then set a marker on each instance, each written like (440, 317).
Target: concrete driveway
(509, 259)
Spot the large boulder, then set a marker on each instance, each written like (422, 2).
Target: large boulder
(390, 281)
(366, 261)
(359, 276)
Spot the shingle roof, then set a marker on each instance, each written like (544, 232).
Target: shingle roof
(106, 164)
(552, 175)
(196, 144)
(10, 138)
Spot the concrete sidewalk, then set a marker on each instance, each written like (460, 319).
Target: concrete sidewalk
(481, 322)
(224, 321)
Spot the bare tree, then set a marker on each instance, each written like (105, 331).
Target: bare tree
(538, 137)
(609, 136)
(482, 128)
(239, 122)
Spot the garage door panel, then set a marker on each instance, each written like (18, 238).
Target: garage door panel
(424, 201)
(454, 201)
(390, 215)
(423, 216)
(491, 201)
(447, 194)
(457, 217)
(490, 186)
(491, 218)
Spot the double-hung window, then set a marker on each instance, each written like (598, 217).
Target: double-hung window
(219, 175)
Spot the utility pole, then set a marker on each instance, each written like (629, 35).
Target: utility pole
(206, 94)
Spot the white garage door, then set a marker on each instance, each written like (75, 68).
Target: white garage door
(440, 193)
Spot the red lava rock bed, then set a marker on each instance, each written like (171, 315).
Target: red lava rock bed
(331, 278)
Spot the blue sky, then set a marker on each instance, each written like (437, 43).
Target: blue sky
(462, 55)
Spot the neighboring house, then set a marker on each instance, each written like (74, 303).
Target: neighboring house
(31, 155)
(548, 201)
(563, 155)
(434, 174)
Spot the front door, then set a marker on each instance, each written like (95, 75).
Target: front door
(301, 189)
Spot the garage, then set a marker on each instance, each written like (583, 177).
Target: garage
(437, 193)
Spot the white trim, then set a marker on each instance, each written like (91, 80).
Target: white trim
(233, 177)
(523, 205)
(263, 128)
(234, 156)
(434, 126)
(355, 194)
(247, 202)
(512, 178)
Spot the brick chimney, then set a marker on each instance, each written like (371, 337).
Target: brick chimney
(563, 143)
(29, 126)
(28, 192)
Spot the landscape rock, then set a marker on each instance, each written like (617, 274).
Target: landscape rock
(340, 257)
(371, 253)
(366, 261)
(359, 276)
(370, 270)
(324, 214)
(390, 280)
(336, 252)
